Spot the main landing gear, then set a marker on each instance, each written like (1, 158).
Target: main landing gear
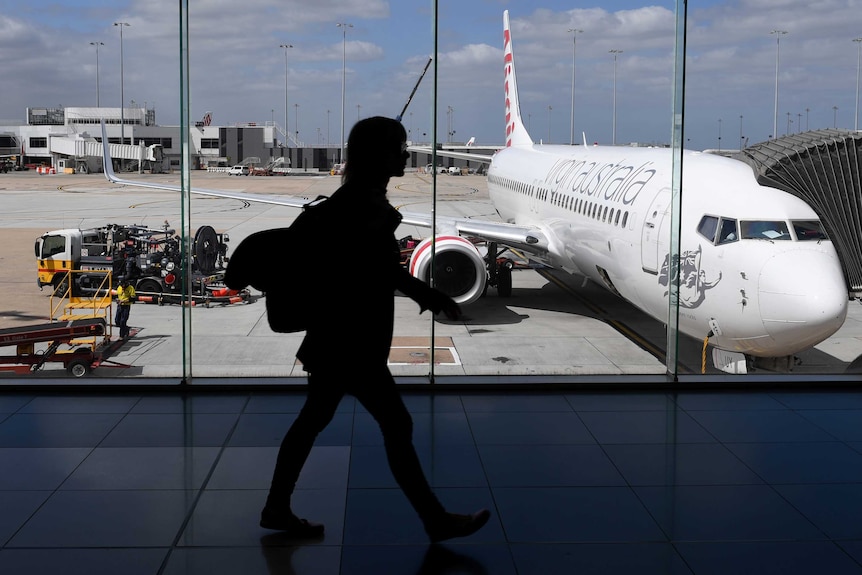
(499, 270)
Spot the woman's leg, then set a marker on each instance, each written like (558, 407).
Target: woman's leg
(379, 395)
(324, 395)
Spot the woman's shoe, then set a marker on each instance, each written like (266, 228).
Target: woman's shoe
(452, 525)
(291, 525)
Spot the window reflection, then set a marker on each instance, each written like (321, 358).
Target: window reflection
(764, 230)
(807, 230)
(728, 231)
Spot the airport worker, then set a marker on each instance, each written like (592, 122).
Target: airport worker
(125, 297)
(347, 341)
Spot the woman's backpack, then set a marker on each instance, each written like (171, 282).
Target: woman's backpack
(256, 262)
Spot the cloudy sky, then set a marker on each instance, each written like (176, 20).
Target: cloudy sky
(238, 68)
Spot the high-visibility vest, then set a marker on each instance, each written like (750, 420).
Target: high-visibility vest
(125, 295)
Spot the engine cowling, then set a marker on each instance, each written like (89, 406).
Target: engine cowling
(460, 270)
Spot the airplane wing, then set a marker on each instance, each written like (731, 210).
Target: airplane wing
(485, 159)
(530, 239)
(274, 200)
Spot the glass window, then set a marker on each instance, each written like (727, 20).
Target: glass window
(578, 181)
(707, 227)
(728, 231)
(764, 230)
(52, 245)
(806, 230)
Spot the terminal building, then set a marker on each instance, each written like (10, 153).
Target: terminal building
(69, 140)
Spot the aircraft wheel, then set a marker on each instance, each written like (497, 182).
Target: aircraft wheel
(78, 367)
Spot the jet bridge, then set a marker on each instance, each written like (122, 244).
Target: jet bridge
(87, 153)
(822, 167)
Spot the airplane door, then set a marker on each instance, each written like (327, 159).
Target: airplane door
(654, 240)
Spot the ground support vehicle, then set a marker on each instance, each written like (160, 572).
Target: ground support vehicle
(64, 345)
(239, 170)
(75, 262)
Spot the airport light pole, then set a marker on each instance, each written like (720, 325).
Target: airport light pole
(778, 34)
(575, 33)
(858, 69)
(741, 138)
(835, 116)
(450, 112)
(296, 124)
(122, 93)
(614, 133)
(344, 26)
(286, 131)
(98, 100)
(549, 123)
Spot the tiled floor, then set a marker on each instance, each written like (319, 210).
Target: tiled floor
(726, 483)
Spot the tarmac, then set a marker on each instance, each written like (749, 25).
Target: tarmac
(552, 325)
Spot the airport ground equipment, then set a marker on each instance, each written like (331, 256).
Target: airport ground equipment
(74, 263)
(67, 343)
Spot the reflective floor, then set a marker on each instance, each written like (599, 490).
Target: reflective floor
(577, 482)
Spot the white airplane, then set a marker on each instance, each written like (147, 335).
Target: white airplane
(758, 276)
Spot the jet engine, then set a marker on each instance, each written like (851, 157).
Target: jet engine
(459, 268)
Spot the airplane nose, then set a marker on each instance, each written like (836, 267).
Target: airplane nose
(803, 299)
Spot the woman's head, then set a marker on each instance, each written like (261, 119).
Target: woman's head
(375, 150)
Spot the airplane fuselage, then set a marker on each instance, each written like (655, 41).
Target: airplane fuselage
(776, 290)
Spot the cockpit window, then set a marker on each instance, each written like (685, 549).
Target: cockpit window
(764, 230)
(809, 230)
(707, 227)
(727, 231)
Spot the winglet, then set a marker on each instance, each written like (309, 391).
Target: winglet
(516, 133)
(107, 164)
